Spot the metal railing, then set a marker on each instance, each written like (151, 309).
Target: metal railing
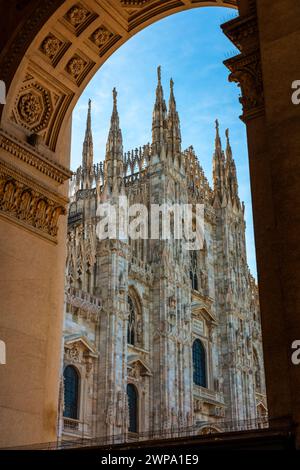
(198, 429)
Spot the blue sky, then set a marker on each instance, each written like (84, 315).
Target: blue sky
(190, 47)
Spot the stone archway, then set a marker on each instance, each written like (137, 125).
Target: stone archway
(50, 50)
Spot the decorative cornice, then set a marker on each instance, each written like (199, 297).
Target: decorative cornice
(22, 151)
(29, 204)
(242, 32)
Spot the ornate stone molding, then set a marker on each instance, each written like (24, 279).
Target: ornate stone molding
(245, 68)
(246, 71)
(43, 164)
(29, 204)
(89, 307)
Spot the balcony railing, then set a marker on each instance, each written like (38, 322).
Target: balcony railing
(75, 427)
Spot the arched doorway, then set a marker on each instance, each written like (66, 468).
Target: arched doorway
(65, 43)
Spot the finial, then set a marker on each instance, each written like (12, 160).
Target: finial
(217, 124)
(115, 96)
(159, 73)
(227, 135)
(171, 84)
(90, 103)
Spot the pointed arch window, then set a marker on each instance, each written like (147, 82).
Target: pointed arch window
(257, 372)
(71, 392)
(199, 364)
(131, 333)
(132, 408)
(193, 271)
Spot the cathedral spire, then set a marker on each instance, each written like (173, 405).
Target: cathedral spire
(218, 164)
(230, 169)
(159, 115)
(114, 146)
(174, 135)
(87, 150)
(113, 165)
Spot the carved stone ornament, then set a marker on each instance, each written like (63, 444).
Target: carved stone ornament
(34, 107)
(73, 354)
(77, 15)
(101, 36)
(78, 18)
(28, 204)
(246, 71)
(76, 66)
(245, 68)
(51, 46)
(134, 3)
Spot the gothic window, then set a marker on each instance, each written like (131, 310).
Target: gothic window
(199, 364)
(257, 371)
(71, 392)
(193, 271)
(132, 408)
(131, 336)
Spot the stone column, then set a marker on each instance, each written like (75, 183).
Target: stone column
(32, 253)
(265, 69)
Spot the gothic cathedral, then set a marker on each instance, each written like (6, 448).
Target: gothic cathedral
(157, 338)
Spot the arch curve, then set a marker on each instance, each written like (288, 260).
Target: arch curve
(66, 43)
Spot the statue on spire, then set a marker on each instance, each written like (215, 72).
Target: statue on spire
(115, 94)
(159, 73)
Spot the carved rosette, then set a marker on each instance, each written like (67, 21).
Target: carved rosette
(78, 18)
(53, 48)
(101, 36)
(27, 204)
(78, 68)
(34, 107)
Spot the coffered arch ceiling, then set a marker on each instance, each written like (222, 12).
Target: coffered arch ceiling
(65, 53)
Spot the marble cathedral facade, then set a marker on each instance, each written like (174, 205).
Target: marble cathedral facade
(157, 338)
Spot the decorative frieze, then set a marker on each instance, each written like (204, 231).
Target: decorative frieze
(135, 3)
(29, 204)
(50, 168)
